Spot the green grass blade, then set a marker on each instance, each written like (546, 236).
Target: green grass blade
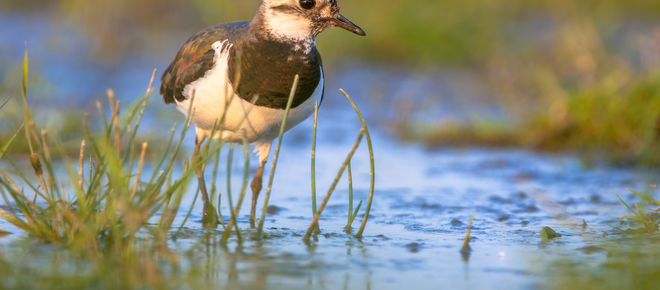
(371, 164)
(353, 216)
(214, 178)
(241, 197)
(624, 203)
(230, 160)
(645, 196)
(9, 142)
(26, 109)
(4, 103)
(350, 198)
(25, 71)
(12, 219)
(340, 173)
(465, 249)
(142, 107)
(185, 219)
(276, 156)
(24, 178)
(313, 162)
(161, 161)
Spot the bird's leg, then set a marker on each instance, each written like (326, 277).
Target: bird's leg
(256, 185)
(263, 150)
(209, 216)
(199, 170)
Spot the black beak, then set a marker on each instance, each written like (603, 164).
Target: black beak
(343, 22)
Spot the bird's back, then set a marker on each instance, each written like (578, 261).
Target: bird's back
(257, 67)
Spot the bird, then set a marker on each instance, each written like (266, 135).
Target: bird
(233, 80)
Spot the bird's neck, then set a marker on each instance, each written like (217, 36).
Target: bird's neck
(273, 25)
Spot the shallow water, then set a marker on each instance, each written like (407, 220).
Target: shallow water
(424, 199)
(423, 202)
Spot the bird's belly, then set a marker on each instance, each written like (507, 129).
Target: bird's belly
(218, 111)
(241, 118)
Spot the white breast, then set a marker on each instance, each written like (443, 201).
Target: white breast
(214, 97)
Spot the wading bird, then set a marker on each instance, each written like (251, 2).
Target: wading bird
(238, 77)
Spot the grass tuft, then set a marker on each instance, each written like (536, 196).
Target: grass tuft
(101, 213)
(648, 219)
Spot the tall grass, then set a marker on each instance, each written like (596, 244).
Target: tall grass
(106, 202)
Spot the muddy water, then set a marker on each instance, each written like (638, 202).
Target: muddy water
(424, 199)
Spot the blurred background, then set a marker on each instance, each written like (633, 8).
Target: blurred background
(553, 75)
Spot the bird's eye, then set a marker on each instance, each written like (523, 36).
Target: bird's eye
(307, 4)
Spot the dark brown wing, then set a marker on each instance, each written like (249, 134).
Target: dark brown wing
(195, 58)
(267, 67)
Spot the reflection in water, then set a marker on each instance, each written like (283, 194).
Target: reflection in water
(262, 265)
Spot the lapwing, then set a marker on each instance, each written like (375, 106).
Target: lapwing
(238, 76)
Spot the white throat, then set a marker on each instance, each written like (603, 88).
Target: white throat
(288, 26)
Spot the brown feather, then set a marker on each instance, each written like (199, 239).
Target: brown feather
(195, 58)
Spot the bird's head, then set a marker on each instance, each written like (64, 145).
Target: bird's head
(303, 19)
